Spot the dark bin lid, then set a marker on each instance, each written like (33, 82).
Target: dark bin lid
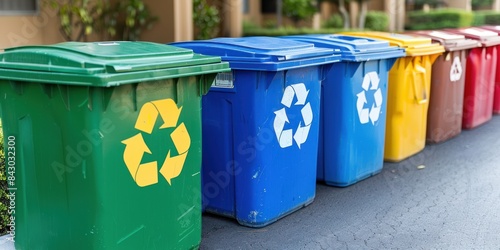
(263, 53)
(353, 48)
(485, 37)
(450, 41)
(103, 63)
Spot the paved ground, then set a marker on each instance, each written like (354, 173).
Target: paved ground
(454, 203)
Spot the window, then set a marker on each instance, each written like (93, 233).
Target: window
(268, 6)
(18, 7)
(246, 7)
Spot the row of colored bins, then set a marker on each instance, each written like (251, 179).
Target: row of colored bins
(290, 111)
(461, 89)
(353, 108)
(409, 92)
(131, 113)
(261, 122)
(444, 120)
(471, 58)
(480, 76)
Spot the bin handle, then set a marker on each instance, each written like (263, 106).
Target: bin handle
(420, 70)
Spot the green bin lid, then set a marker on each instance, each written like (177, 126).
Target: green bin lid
(104, 64)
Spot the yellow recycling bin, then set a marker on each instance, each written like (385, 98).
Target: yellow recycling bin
(408, 93)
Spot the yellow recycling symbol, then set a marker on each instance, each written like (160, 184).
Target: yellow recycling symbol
(145, 174)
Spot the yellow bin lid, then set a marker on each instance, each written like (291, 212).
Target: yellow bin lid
(414, 45)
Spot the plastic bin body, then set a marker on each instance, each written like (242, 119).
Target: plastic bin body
(408, 94)
(260, 127)
(480, 77)
(353, 108)
(444, 119)
(91, 169)
(496, 98)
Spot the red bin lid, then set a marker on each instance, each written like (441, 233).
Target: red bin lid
(450, 41)
(494, 28)
(485, 37)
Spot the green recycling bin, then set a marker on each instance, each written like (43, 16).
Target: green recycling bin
(106, 144)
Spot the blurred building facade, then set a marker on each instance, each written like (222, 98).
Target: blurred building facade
(27, 22)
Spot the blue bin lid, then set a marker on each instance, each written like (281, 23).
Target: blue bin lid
(353, 48)
(263, 53)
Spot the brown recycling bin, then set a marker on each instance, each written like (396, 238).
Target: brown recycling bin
(444, 119)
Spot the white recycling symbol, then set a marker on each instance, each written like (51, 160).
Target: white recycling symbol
(371, 81)
(456, 70)
(286, 137)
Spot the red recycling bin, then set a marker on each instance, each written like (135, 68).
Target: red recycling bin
(479, 77)
(496, 99)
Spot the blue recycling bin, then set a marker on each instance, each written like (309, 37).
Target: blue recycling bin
(260, 127)
(353, 108)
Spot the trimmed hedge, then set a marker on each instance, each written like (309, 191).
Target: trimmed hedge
(377, 21)
(486, 17)
(479, 18)
(335, 21)
(481, 3)
(288, 31)
(492, 18)
(439, 19)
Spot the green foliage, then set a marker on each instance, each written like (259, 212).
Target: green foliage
(126, 20)
(479, 18)
(270, 23)
(249, 25)
(206, 20)
(439, 19)
(481, 3)
(123, 20)
(77, 17)
(377, 20)
(419, 4)
(335, 21)
(298, 10)
(486, 17)
(288, 31)
(4, 217)
(492, 18)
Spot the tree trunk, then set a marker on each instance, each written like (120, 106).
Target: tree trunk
(496, 5)
(279, 13)
(345, 14)
(362, 13)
